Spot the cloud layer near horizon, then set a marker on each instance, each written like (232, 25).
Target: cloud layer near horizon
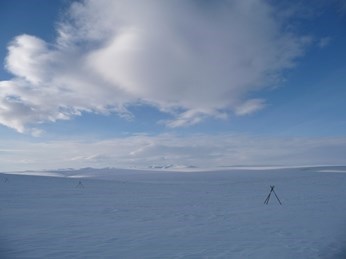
(142, 151)
(191, 59)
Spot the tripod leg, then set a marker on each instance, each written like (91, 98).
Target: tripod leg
(267, 199)
(277, 197)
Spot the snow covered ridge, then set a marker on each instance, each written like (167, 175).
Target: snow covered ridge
(109, 172)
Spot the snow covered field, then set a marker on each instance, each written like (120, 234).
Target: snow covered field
(153, 214)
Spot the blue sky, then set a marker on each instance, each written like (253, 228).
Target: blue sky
(142, 83)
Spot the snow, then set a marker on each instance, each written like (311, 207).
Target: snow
(160, 214)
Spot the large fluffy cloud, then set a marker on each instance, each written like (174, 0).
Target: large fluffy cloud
(191, 58)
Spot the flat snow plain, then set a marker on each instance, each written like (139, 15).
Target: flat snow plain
(156, 214)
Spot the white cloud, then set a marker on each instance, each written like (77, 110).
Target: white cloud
(191, 117)
(250, 106)
(142, 151)
(193, 59)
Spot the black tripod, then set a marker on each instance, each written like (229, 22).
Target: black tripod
(80, 185)
(272, 191)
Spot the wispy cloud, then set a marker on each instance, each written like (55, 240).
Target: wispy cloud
(193, 59)
(250, 106)
(142, 151)
(342, 6)
(324, 42)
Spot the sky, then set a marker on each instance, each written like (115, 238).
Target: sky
(136, 84)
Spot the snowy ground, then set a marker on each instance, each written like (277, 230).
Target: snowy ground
(143, 214)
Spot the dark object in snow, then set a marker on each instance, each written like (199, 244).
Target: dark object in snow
(80, 185)
(268, 197)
